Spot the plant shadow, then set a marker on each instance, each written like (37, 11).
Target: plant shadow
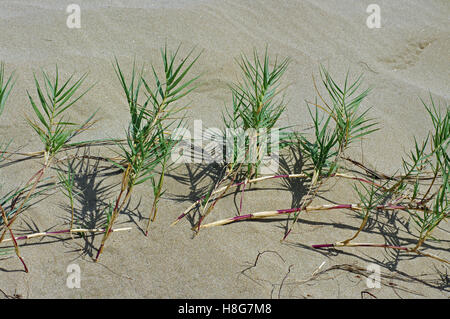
(91, 194)
(200, 179)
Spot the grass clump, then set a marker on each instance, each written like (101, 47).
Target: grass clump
(427, 205)
(321, 150)
(328, 145)
(256, 107)
(344, 107)
(6, 85)
(148, 144)
(342, 124)
(52, 127)
(54, 130)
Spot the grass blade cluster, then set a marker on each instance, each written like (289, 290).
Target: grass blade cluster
(152, 117)
(55, 99)
(321, 150)
(344, 107)
(256, 101)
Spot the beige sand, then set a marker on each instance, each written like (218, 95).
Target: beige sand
(403, 60)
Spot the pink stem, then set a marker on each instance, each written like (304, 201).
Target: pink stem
(233, 185)
(48, 233)
(59, 232)
(296, 209)
(242, 198)
(360, 245)
(272, 177)
(322, 246)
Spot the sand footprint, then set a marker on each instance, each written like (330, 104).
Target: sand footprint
(407, 56)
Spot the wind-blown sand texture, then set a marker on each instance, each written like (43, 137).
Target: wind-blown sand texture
(405, 59)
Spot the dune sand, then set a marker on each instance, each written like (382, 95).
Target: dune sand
(403, 60)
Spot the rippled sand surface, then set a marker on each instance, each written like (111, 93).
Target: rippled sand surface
(403, 61)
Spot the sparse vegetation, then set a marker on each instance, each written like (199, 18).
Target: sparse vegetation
(153, 102)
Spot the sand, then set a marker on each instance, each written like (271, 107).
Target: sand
(405, 59)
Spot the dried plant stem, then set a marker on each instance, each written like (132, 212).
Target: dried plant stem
(306, 201)
(152, 215)
(430, 255)
(153, 212)
(97, 158)
(31, 154)
(37, 177)
(242, 196)
(250, 181)
(406, 249)
(16, 247)
(72, 217)
(428, 233)
(379, 175)
(66, 231)
(274, 213)
(41, 153)
(116, 210)
(361, 227)
(207, 209)
(424, 198)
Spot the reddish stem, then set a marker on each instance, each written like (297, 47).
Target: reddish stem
(360, 245)
(322, 246)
